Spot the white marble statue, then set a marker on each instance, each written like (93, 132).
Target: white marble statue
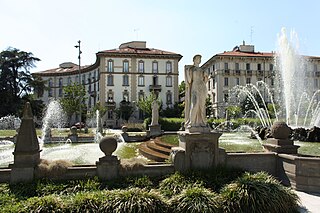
(155, 113)
(195, 95)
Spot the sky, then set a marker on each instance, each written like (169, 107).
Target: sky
(51, 29)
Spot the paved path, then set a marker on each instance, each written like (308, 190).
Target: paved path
(309, 202)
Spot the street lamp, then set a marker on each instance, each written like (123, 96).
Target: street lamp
(79, 68)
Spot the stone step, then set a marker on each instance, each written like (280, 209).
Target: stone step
(151, 154)
(158, 142)
(158, 148)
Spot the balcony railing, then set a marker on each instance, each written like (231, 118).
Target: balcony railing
(155, 88)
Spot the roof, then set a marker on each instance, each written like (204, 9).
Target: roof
(140, 51)
(62, 71)
(246, 54)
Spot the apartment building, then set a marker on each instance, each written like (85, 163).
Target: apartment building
(243, 66)
(128, 73)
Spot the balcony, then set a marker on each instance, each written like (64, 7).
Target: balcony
(317, 74)
(110, 104)
(155, 88)
(226, 72)
(249, 72)
(237, 72)
(259, 73)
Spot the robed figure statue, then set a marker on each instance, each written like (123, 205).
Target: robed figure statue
(195, 95)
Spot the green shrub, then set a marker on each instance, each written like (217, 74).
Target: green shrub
(88, 202)
(195, 199)
(167, 124)
(258, 192)
(44, 204)
(175, 184)
(136, 200)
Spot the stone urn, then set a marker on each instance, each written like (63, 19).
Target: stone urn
(124, 129)
(73, 130)
(280, 130)
(108, 145)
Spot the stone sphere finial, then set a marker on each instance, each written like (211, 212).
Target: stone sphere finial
(108, 145)
(280, 130)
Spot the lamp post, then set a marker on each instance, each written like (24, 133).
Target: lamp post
(79, 68)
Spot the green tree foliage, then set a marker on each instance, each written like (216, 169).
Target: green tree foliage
(209, 106)
(234, 111)
(74, 94)
(145, 104)
(16, 80)
(247, 104)
(125, 110)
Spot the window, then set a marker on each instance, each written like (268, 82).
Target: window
(125, 80)
(213, 68)
(209, 86)
(110, 66)
(259, 67)
(141, 80)
(271, 67)
(168, 67)
(50, 88)
(169, 97)
(237, 81)
(125, 66)
(248, 81)
(69, 81)
(141, 95)
(125, 96)
(226, 81)
(247, 66)
(316, 83)
(169, 81)
(110, 96)
(154, 67)
(237, 67)
(110, 114)
(272, 82)
(155, 80)
(110, 80)
(315, 67)
(141, 67)
(226, 66)
(213, 83)
(83, 79)
(226, 97)
(60, 86)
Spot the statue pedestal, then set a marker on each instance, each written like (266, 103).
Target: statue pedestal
(154, 130)
(201, 149)
(284, 146)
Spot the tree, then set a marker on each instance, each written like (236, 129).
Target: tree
(125, 110)
(16, 80)
(145, 104)
(209, 106)
(74, 94)
(247, 103)
(234, 111)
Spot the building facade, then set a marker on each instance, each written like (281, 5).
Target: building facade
(243, 66)
(128, 73)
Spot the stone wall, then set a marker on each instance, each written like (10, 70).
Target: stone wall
(255, 162)
(301, 173)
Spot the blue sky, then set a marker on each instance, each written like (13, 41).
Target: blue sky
(50, 29)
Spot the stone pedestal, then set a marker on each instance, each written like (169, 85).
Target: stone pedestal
(108, 167)
(284, 146)
(27, 151)
(280, 143)
(201, 149)
(154, 130)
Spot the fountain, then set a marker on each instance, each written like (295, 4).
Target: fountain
(10, 122)
(54, 117)
(99, 130)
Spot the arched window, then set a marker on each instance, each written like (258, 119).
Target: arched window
(125, 80)
(154, 67)
(169, 97)
(168, 67)
(125, 66)
(141, 66)
(110, 66)
(141, 80)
